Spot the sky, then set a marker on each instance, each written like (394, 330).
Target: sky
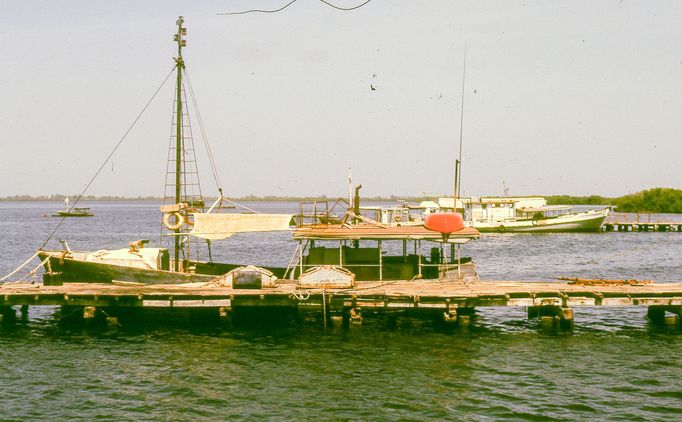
(561, 97)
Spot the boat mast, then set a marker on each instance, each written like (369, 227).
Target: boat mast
(179, 65)
(458, 162)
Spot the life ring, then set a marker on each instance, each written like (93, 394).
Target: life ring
(179, 220)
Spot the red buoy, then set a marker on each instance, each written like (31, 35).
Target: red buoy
(444, 222)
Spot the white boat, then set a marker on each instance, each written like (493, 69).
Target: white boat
(520, 214)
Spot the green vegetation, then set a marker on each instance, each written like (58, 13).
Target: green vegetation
(578, 200)
(657, 200)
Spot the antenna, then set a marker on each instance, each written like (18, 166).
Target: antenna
(505, 189)
(458, 162)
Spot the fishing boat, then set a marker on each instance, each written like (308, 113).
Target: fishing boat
(520, 214)
(73, 212)
(184, 219)
(183, 212)
(375, 251)
(496, 214)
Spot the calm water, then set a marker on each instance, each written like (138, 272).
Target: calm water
(612, 366)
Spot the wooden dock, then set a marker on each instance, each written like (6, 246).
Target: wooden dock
(455, 302)
(622, 222)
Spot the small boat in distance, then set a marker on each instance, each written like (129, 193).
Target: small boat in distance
(75, 212)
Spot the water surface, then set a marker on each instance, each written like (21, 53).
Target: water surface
(612, 366)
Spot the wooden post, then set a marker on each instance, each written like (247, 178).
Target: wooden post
(89, 312)
(566, 318)
(381, 263)
(553, 316)
(7, 314)
(533, 312)
(356, 316)
(664, 315)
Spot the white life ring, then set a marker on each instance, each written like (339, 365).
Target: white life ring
(179, 220)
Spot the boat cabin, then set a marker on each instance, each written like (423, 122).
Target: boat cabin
(378, 252)
(491, 208)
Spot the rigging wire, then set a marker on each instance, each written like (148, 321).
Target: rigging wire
(125, 135)
(204, 137)
(289, 4)
(209, 152)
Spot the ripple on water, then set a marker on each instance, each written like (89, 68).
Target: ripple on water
(613, 366)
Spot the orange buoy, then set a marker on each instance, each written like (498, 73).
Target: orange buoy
(444, 222)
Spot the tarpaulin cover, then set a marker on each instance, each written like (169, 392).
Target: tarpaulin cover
(222, 226)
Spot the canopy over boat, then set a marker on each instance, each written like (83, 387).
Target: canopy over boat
(376, 232)
(222, 226)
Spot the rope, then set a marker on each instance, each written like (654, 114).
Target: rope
(61, 221)
(19, 268)
(125, 135)
(33, 271)
(204, 138)
(209, 151)
(302, 296)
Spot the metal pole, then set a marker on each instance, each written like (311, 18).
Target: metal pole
(179, 64)
(381, 263)
(419, 256)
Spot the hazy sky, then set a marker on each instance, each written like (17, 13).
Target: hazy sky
(561, 97)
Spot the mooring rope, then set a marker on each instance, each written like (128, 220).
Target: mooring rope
(16, 270)
(118, 144)
(125, 135)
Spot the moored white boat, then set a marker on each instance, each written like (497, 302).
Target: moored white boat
(522, 214)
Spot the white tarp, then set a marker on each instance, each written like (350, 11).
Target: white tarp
(222, 226)
(144, 258)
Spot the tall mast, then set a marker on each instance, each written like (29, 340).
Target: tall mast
(458, 162)
(179, 65)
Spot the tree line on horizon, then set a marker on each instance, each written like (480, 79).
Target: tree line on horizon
(656, 200)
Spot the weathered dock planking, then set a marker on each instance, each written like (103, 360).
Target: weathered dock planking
(454, 301)
(622, 222)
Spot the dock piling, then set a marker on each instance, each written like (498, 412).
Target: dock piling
(665, 315)
(552, 316)
(7, 314)
(89, 312)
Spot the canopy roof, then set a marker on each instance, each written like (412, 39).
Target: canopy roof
(376, 232)
(547, 208)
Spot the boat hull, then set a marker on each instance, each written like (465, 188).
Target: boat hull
(61, 270)
(73, 214)
(68, 270)
(582, 222)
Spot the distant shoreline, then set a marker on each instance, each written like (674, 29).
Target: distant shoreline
(656, 200)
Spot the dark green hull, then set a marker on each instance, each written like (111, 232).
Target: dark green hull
(68, 270)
